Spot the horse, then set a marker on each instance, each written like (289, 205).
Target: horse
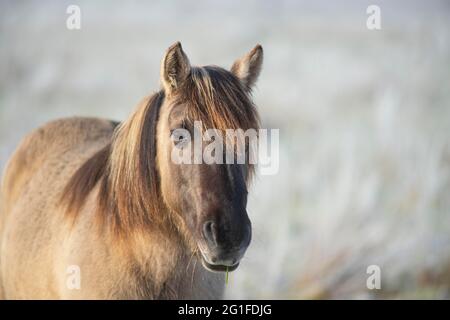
(96, 209)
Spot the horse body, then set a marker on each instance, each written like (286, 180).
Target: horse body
(38, 246)
(47, 254)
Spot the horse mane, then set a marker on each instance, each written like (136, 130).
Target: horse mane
(217, 98)
(125, 170)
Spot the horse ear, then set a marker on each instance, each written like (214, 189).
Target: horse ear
(175, 68)
(248, 67)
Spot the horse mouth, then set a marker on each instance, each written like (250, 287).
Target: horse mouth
(218, 267)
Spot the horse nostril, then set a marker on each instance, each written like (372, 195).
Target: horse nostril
(209, 232)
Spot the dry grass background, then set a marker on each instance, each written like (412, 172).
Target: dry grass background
(364, 120)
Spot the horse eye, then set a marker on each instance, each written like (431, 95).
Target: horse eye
(179, 136)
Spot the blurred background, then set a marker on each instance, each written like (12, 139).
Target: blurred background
(364, 119)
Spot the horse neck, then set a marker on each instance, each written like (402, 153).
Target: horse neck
(152, 253)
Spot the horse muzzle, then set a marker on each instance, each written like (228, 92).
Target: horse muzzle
(222, 249)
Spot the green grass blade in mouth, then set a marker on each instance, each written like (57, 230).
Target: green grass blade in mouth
(226, 277)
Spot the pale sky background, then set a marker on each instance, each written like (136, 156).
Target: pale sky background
(364, 119)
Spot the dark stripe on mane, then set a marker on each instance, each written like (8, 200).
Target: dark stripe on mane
(128, 195)
(85, 179)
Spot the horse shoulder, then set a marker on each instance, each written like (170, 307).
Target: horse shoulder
(49, 141)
